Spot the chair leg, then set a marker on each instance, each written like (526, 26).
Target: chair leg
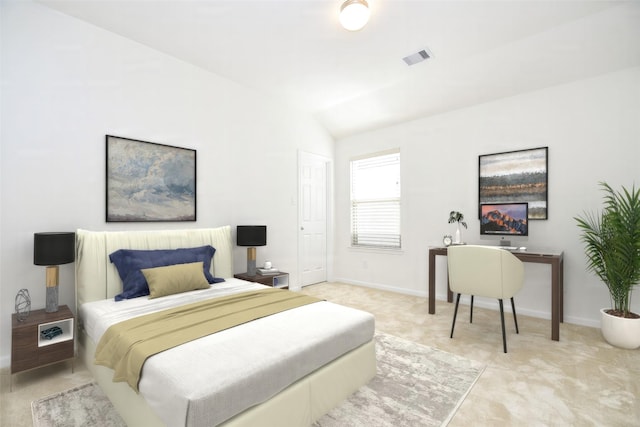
(455, 313)
(515, 319)
(504, 335)
(471, 312)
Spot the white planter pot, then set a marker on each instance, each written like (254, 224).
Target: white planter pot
(619, 331)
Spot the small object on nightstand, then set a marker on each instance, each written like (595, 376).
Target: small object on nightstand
(267, 271)
(51, 333)
(447, 240)
(23, 305)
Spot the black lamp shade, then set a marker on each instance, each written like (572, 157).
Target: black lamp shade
(251, 235)
(54, 248)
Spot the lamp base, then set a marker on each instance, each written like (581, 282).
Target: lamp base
(251, 261)
(52, 299)
(52, 289)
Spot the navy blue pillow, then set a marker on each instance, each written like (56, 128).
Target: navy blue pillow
(129, 262)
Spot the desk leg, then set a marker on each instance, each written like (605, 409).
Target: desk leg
(561, 289)
(556, 299)
(432, 283)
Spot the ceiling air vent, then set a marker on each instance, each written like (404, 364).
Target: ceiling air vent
(414, 58)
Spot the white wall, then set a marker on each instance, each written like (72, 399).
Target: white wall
(65, 84)
(592, 129)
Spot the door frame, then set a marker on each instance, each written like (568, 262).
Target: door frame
(329, 214)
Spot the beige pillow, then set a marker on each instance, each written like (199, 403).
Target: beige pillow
(174, 279)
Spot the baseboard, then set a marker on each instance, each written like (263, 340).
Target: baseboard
(492, 305)
(382, 287)
(478, 303)
(582, 322)
(5, 362)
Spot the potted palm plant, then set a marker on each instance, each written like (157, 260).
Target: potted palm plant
(458, 217)
(612, 247)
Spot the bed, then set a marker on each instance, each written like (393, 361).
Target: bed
(287, 369)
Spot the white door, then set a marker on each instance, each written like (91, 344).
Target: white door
(313, 208)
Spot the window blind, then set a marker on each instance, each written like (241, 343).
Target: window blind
(375, 201)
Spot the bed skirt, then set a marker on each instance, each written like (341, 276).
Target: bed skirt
(300, 404)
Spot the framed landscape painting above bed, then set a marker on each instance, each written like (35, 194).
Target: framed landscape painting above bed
(515, 176)
(149, 182)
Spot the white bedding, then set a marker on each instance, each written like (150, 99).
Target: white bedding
(250, 363)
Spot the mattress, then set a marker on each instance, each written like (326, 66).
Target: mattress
(207, 381)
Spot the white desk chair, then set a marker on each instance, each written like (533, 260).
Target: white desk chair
(487, 272)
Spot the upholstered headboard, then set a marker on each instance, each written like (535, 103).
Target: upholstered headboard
(97, 278)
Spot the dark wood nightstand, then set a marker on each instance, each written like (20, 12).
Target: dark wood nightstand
(30, 350)
(280, 280)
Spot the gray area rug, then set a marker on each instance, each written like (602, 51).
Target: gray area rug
(415, 386)
(85, 405)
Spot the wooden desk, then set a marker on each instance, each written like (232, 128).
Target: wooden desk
(557, 291)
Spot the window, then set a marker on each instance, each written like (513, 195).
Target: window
(375, 201)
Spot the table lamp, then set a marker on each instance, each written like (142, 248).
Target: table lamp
(53, 249)
(251, 236)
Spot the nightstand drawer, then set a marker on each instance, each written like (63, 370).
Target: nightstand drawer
(23, 360)
(25, 339)
(56, 352)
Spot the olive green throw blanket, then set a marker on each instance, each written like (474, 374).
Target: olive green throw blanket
(125, 346)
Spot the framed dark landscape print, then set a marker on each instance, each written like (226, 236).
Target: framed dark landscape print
(149, 182)
(515, 176)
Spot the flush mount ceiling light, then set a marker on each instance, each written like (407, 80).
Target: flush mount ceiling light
(354, 14)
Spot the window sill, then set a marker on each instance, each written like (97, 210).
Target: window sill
(388, 251)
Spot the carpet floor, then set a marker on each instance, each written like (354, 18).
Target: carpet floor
(415, 385)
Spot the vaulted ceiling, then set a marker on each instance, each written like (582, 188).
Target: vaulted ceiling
(352, 82)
